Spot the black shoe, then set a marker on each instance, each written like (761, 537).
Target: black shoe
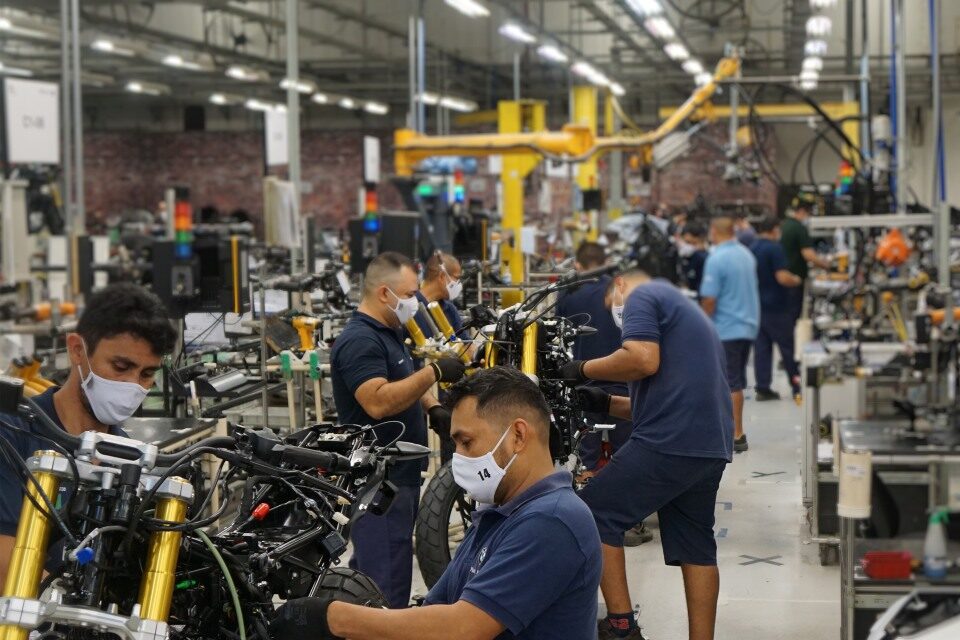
(637, 536)
(740, 444)
(762, 395)
(605, 632)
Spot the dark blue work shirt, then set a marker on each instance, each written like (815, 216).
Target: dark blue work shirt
(693, 269)
(449, 309)
(533, 564)
(368, 349)
(683, 409)
(770, 258)
(586, 305)
(26, 444)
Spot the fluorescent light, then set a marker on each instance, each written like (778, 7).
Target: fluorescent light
(815, 47)
(225, 98)
(429, 98)
(617, 89)
(515, 32)
(5, 24)
(660, 27)
(108, 46)
(703, 78)
(147, 88)
(174, 60)
(586, 70)
(813, 62)
(819, 26)
(458, 104)
(260, 105)
(14, 71)
(246, 74)
(376, 108)
(645, 8)
(218, 98)
(693, 66)
(320, 98)
(809, 74)
(676, 51)
(808, 85)
(822, 4)
(347, 103)
(470, 8)
(552, 53)
(302, 86)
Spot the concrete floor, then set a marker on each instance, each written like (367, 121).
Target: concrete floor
(758, 516)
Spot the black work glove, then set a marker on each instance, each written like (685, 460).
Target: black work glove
(448, 369)
(439, 420)
(593, 399)
(572, 372)
(303, 618)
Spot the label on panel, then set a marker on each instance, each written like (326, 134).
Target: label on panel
(33, 121)
(275, 130)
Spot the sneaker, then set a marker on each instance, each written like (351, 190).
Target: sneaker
(763, 395)
(740, 444)
(637, 536)
(605, 632)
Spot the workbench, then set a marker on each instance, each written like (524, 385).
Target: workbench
(862, 598)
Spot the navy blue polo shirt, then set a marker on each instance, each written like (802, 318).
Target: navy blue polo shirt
(693, 269)
(586, 305)
(364, 350)
(770, 258)
(533, 564)
(684, 409)
(11, 488)
(449, 309)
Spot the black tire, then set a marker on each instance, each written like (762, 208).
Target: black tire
(346, 584)
(436, 539)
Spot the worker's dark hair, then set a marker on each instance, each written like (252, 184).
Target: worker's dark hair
(766, 224)
(125, 308)
(384, 267)
(591, 255)
(695, 229)
(431, 269)
(503, 394)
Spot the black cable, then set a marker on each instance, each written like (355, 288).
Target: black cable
(62, 451)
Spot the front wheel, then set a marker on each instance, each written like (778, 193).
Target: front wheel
(443, 518)
(343, 583)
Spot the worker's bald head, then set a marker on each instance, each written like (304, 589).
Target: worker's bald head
(450, 264)
(390, 269)
(722, 228)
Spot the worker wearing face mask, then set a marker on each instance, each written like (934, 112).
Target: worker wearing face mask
(441, 284)
(529, 565)
(114, 354)
(375, 382)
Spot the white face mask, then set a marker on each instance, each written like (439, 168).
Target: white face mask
(685, 249)
(406, 307)
(617, 312)
(481, 476)
(454, 289)
(112, 401)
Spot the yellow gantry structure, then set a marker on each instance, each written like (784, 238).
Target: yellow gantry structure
(523, 141)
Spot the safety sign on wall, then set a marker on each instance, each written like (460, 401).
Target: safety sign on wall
(32, 121)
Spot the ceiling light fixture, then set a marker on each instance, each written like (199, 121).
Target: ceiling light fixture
(693, 67)
(5, 24)
(552, 53)
(815, 48)
(822, 4)
(176, 61)
(617, 89)
(660, 27)
(588, 71)
(109, 46)
(225, 99)
(676, 51)
(515, 32)
(260, 105)
(819, 26)
(429, 98)
(147, 88)
(813, 62)
(470, 8)
(808, 85)
(703, 78)
(15, 71)
(302, 86)
(458, 104)
(645, 8)
(809, 74)
(347, 103)
(376, 108)
(246, 74)
(320, 98)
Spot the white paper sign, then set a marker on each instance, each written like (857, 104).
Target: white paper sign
(495, 165)
(559, 169)
(275, 130)
(371, 159)
(528, 239)
(33, 121)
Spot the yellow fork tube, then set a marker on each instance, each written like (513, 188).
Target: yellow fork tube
(528, 360)
(414, 330)
(443, 323)
(30, 548)
(156, 590)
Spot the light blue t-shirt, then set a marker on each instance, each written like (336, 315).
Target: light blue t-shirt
(730, 276)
